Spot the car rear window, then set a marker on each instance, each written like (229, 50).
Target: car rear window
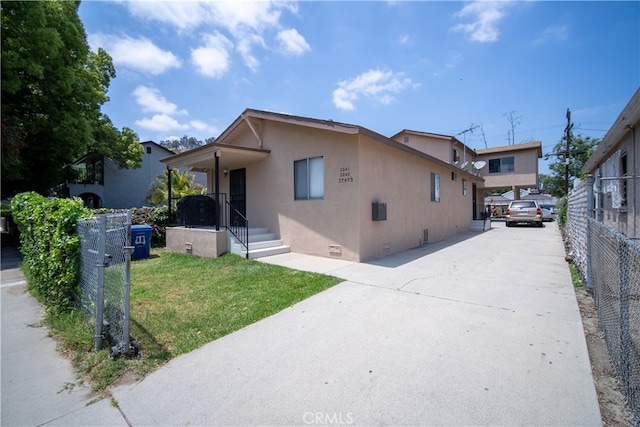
(523, 204)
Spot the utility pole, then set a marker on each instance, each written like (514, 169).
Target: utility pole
(566, 153)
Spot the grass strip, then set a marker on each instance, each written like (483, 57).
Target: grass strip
(180, 302)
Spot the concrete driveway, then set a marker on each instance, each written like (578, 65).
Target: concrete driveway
(480, 330)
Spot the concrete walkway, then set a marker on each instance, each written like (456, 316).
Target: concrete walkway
(480, 330)
(39, 387)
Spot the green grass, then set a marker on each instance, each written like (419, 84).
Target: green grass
(180, 302)
(576, 278)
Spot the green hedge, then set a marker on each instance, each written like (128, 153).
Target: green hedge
(50, 246)
(155, 217)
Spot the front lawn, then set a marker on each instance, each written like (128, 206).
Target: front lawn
(180, 302)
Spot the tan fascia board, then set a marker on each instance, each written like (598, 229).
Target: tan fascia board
(189, 156)
(393, 143)
(516, 147)
(329, 125)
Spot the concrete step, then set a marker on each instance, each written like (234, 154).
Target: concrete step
(274, 250)
(258, 230)
(264, 244)
(261, 243)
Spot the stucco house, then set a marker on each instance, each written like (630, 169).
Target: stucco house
(615, 167)
(514, 166)
(102, 184)
(510, 166)
(325, 188)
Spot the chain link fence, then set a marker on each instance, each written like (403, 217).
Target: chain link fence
(610, 263)
(105, 243)
(576, 226)
(614, 276)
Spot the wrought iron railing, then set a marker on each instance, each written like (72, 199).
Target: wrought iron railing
(238, 226)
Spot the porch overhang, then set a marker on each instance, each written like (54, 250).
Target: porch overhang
(202, 159)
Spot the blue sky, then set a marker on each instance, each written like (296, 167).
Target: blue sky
(190, 68)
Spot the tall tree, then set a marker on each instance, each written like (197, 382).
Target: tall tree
(580, 149)
(53, 87)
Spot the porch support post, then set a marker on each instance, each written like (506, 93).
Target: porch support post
(169, 192)
(217, 185)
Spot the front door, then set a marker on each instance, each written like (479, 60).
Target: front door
(238, 195)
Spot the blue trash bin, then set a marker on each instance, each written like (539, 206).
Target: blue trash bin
(141, 241)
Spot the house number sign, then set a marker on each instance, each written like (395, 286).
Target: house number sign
(345, 176)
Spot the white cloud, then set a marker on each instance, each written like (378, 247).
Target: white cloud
(245, 48)
(204, 128)
(485, 16)
(378, 85)
(183, 15)
(161, 123)
(212, 58)
(292, 42)
(152, 101)
(139, 54)
(552, 34)
(247, 23)
(244, 15)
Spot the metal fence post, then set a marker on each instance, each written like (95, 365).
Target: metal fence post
(128, 250)
(100, 283)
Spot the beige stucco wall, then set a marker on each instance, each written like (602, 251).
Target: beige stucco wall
(197, 241)
(524, 175)
(308, 226)
(437, 147)
(403, 182)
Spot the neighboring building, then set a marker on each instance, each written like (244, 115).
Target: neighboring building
(444, 147)
(615, 166)
(514, 166)
(333, 189)
(510, 166)
(102, 184)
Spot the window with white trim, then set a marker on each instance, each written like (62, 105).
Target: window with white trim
(308, 178)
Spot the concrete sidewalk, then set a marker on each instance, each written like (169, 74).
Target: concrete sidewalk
(483, 330)
(39, 387)
(479, 330)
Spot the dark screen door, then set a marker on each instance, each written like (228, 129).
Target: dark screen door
(238, 194)
(474, 197)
